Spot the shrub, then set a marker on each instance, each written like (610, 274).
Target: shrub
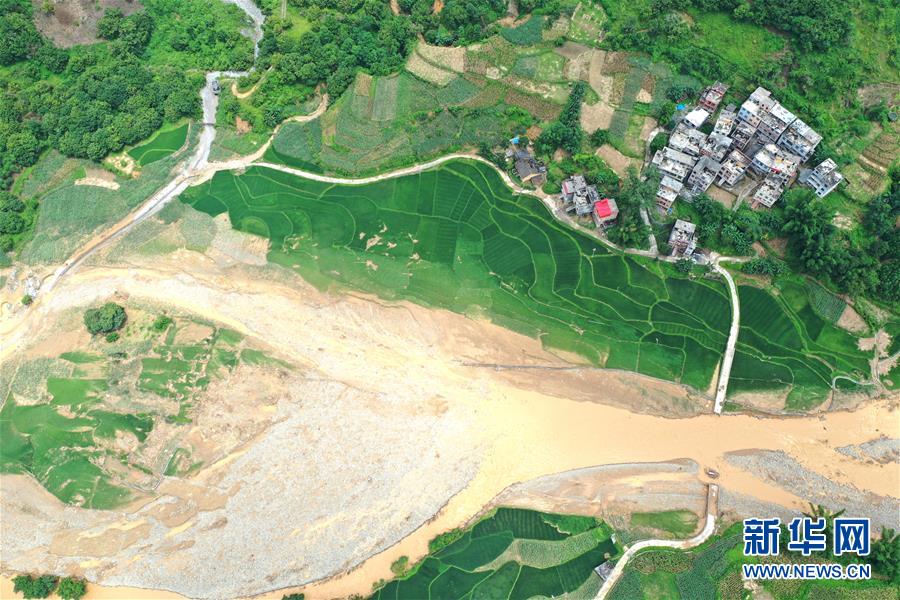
(684, 265)
(293, 597)
(27, 299)
(161, 323)
(31, 587)
(71, 588)
(112, 337)
(599, 137)
(400, 566)
(108, 318)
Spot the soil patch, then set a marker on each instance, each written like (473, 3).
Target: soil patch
(851, 321)
(617, 161)
(73, 22)
(596, 116)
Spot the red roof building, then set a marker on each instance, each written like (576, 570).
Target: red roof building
(605, 212)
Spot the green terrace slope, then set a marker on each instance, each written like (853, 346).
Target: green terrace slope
(512, 553)
(456, 237)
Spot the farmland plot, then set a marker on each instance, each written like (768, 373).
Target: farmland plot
(83, 424)
(483, 562)
(165, 143)
(457, 238)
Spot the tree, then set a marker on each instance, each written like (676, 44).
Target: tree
(885, 555)
(658, 142)
(599, 137)
(30, 587)
(684, 265)
(27, 299)
(71, 588)
(11, 222)
(106, 319)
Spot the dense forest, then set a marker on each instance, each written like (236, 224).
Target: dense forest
(90, 100)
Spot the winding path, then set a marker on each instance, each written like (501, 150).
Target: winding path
(709, 527)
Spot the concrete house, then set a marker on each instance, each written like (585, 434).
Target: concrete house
(800, 139)
(733, 168)
(705, 172)
(605, 212)
(774, 122)
(774, 161)
(768, 193)
(725, 122)
(687, 139)
(578, 196)
(712, 97)
(753, 108)
(673, 163)
(742, 134)
(823, 179)
(529, 169)
(667, 193)
(696, 118)
(682, 239)
(716, 146)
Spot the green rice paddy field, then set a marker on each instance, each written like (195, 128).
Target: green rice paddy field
(62, 418)
(165, 142)
(512, 553)
(457, 238)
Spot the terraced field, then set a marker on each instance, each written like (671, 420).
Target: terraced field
(512, 553)
(79, 423)
(456, 237)
(790, 340)
(165, 143)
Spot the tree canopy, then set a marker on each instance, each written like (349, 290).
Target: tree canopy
(106, 319)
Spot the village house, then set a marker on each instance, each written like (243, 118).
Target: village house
(800, 139)
(605, 212)
(823, 179)
(742, 134)
(774, 161)
(716, 146)
(687, 139)
(733, 168)
(712, 97)
(725, 122)
(753, 108)
(667, 193)
(774, 122)
(768, 193)
(578, 196)
(705, 172)
(682, 239)
(696, 118)
(529, 169)
(673, 163)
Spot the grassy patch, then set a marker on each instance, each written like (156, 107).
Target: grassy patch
(680, 523)
(526, 34)
(164, 143)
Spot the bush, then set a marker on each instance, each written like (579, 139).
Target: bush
(30, 587)
(599, 137)
(71, 588)
(161, 323)
(684, 265)
(659, 142)
(27, 299)
(106, 319)
(293, 597)
(112, 337)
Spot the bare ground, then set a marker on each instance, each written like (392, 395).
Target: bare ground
(73, 22)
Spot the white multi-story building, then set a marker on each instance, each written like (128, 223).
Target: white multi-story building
(668, 191)
(726, 120)
(673, 163)
(774, 122)
(800, 139)
(733, 168)
(753, 108)
(768, 193)
(687, 139)
(823, 179)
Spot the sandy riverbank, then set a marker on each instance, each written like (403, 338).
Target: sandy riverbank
(407, 359)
